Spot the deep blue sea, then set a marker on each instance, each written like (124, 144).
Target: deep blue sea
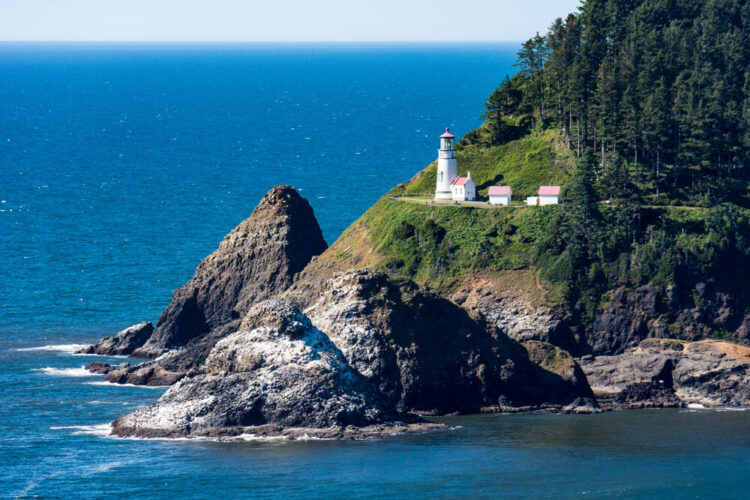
(122, 166)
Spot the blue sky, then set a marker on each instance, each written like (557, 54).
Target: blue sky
(278, 20)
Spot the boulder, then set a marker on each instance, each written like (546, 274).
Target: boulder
(122, 343)
(149, 374)
(99, 367)
(742, 335)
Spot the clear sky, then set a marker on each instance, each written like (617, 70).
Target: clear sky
(278, 20)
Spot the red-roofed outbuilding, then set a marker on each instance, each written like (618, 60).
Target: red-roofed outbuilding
(500, 195)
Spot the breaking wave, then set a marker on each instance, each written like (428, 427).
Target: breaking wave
(112, 384)
(101, 430)
(66, 372)
(69, 348)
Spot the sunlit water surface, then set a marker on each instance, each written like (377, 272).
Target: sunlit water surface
(122, 166)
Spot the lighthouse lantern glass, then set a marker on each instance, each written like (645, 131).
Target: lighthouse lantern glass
(447, 143)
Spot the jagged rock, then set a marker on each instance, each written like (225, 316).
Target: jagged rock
(623, 322)
(256, 260)
(669, 372)
(742, 335)
(149, 373)
(632, 315)
(122, 343)
(99, 367)
(558, 363)
(278, 374)
(582, 406)
(502, 301)
(425, 353)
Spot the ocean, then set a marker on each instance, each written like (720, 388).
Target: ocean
(123, 165)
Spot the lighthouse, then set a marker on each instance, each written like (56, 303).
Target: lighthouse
(447, 169)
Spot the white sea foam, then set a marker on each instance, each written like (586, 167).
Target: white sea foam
(69, 348)
(253, 437)
(101, 430)
(120, 356)
(105, 467)
(66, 372)
(112, 384)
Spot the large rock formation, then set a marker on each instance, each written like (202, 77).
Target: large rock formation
(277, 375)
(667, 372)
(366, 354)
(122, 343)
(425, 353)
(256, 260)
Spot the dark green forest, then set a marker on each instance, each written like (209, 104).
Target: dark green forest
(663, 85)
(653, 99)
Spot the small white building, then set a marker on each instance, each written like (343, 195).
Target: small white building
(463, 189)
(549, 195)
(500, 195)
(532, 200)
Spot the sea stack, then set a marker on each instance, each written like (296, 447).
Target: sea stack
(255, 261)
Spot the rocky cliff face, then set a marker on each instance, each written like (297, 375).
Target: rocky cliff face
(267, 340)
(506, 300)
(426, 354)
(365, 355)
(277, 375)
(256, 260)
(633, 315)
(667, 372)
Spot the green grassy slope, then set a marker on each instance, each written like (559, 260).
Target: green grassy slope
(524, 164)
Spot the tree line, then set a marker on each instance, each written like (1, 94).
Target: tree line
(657, 89)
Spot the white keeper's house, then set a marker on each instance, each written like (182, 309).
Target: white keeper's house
(449, 186)
(464, 189)
(549, 195)
(500, 195)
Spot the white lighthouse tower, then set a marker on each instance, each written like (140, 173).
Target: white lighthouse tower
(447, 169)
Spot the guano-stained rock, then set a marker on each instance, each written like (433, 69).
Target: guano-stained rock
(425, 353)
(277, 372)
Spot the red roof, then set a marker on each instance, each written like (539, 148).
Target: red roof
(447, 134)
(459, 181)
(549, 190)
(499, 190)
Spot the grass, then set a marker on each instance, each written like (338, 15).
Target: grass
(525, 164)
(444, 245)
(438, 245)
(549, 357)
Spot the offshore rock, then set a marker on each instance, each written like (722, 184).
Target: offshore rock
(255, 261)
(277, 375)
(122, 343)
(661, 372)
(99, 367)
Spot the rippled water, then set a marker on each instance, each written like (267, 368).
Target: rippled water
(122, 166)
